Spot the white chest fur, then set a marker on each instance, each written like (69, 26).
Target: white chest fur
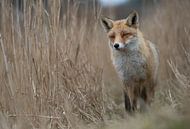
(130, 65)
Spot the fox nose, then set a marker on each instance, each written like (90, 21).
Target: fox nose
(116, 45)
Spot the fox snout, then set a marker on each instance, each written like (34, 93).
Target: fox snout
(118, 45)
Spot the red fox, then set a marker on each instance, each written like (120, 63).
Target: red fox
(135, 59)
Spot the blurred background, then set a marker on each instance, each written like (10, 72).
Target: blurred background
(56, 71)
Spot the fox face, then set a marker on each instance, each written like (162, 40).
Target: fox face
(121, 33)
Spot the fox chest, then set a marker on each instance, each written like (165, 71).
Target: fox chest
(131, 67)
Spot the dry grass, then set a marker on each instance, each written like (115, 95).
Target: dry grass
(170, 30)
(55, 72)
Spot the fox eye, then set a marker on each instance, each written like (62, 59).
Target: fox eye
(112, 36)
(125, 34)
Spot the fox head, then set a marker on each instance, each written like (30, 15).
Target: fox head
(123, 32)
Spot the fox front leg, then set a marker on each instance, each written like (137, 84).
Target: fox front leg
(130, 99)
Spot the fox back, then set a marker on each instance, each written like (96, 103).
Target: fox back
(134, 58)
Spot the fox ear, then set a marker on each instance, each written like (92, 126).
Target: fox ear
(106, 23)
(133, 19)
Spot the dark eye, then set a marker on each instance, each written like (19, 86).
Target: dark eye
(112, 36)
(126, 34)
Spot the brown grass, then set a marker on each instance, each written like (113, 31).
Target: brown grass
(55, 72)
(170, 30)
